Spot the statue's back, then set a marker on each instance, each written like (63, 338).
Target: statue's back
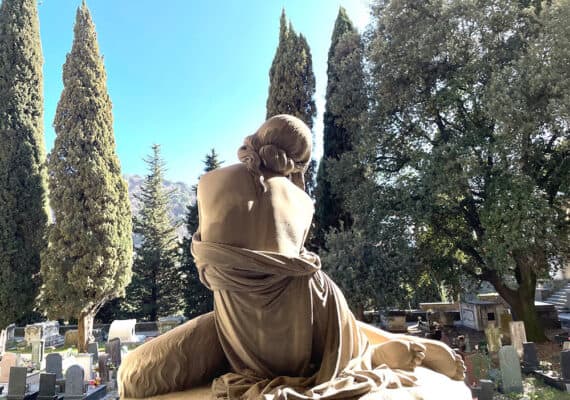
(233, 210)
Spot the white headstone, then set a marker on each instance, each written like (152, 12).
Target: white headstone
(518, 336)
(85, 360)
(3, 339)
(123, 329)
(566, 346)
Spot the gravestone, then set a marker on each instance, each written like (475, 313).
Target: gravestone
(505, 321)
(10, 332)
(85, 360)
(565, 364)
(566, 346)
(17, 383)
(124, 329)
(38, 348)
(8, 361)
(3, 340)
(511, 377)
(93, 349)
(467, 344)
(103, 368)
(47, 331)
(74, 378)
(54, 365)
(487, 389)
(530, 358)
(113, 348)
(493, 335)
(518, 336)
(47, 387)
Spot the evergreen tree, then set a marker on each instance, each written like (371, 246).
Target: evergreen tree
(292, 83)
(345, 108)
(198, 298)
(23, 210)
(89, 256)
(469, 142)
(156, 288)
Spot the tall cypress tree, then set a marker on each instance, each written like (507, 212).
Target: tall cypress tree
(156, 289)
(292, 83)
(23, 211)
(198, 298)
(89, 256)
(345, 107)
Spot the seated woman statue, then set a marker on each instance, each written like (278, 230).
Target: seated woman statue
(281, 329)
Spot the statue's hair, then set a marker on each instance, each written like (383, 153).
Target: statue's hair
(282, 144)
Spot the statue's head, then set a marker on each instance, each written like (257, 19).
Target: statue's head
(283, 145)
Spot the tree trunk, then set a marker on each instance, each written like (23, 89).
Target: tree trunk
(521, 300)
(84, 331)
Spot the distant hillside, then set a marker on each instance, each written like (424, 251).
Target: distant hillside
(182, 196)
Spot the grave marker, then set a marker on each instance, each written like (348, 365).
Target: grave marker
(565, 364)
(93, 348)
(38, 347)
(85, 360)
(113, 348)
(103, 369)
(487, 389)
(17, 383)
(493, 335)
(74, 378)
(54, 365)
(47, 387)
(530, 358)
(510, 370)
(518, 336)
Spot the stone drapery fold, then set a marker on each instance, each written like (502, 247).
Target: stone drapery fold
(285, 328)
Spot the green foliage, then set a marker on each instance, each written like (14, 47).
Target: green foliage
(198, 298)
(156, 288)
(467, 144)
(89, 256)
(345, 107)
(292, 83)
(23, 209)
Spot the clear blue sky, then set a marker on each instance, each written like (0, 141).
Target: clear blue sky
(187, 74)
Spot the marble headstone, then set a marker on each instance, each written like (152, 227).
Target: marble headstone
(17, 383)
(54, 365)
(47, 387)
(74, 378)
(487, 389)
(510, 370)
(518, 336)
(493, 335)
(565, 364)
(113, 348)
(38, 347)
(93, 348)
(530, 358)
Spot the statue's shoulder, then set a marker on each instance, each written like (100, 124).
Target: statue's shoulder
(233, 177)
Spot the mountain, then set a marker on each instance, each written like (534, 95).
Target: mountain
(182, 196)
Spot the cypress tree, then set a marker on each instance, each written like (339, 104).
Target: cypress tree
(198, 298)
(292, 83)
(345, 107)
(89, 255)
(156, 289)
(23, 211)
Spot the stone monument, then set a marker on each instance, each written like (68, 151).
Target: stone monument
(280, 328)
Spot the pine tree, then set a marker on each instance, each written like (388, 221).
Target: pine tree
(292, 83)
(345, 108)
(89, 256)
(156, 289)
(198, 298)
(23, 210)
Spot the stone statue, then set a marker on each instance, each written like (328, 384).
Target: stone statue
(281, 329)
